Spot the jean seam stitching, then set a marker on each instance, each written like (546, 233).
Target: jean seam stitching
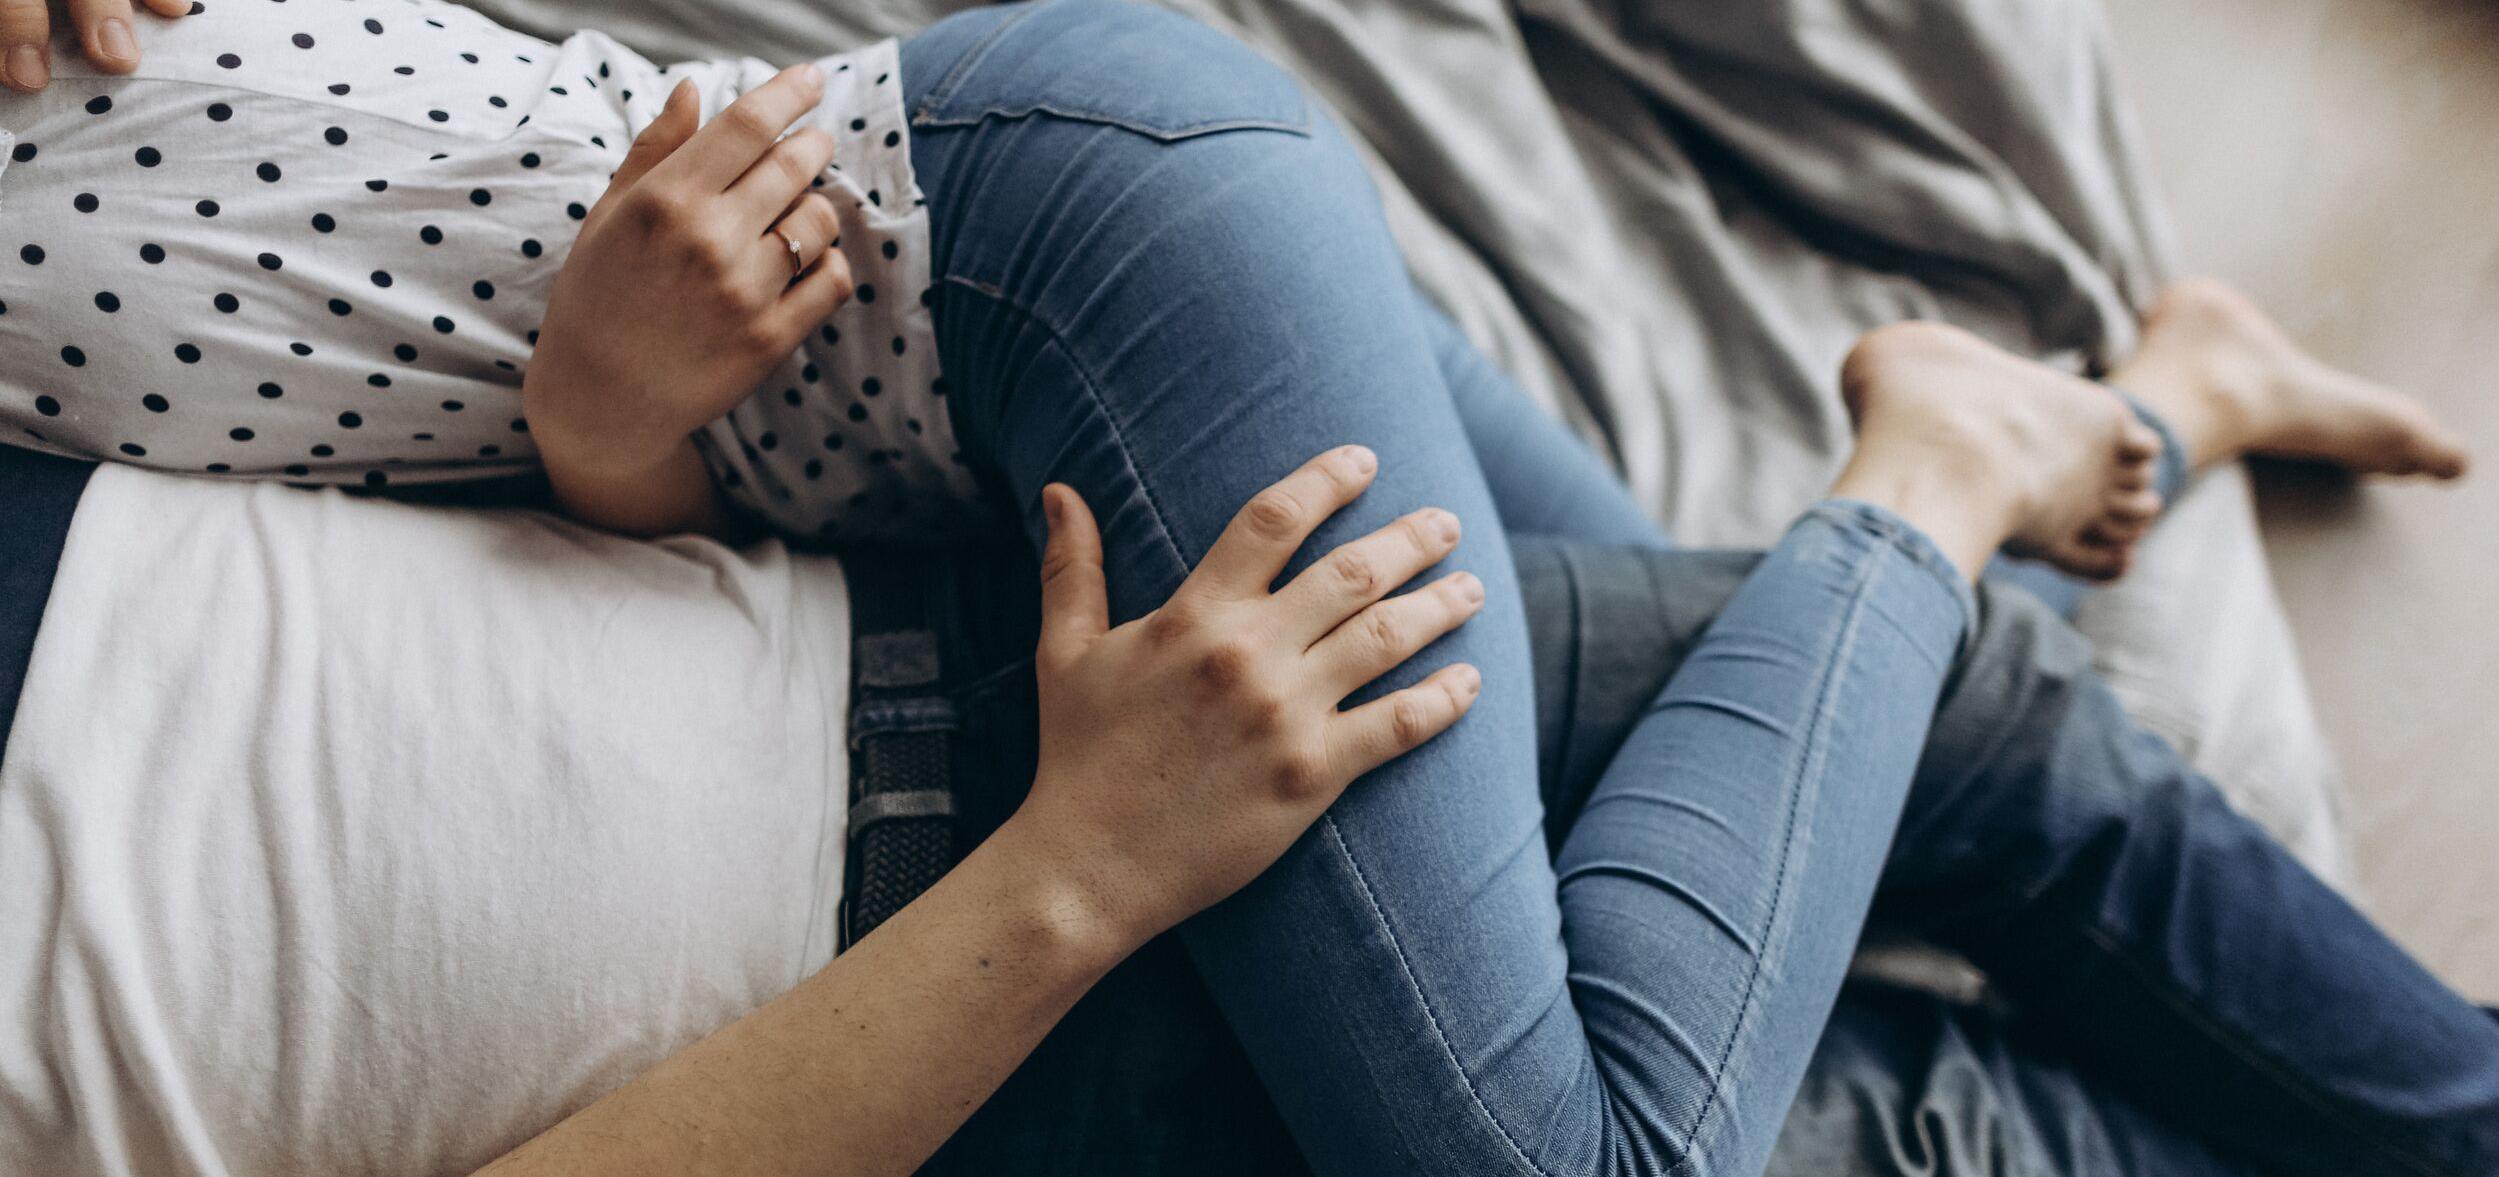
(1093, 392)
(1440, 1037)
(1847, 641)
(1127, 123)
(2230, 1039)
(971, 58)
(923, 115)
(1572, 686)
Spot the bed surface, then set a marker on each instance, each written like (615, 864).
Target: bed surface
(1670, 221)
(2360, 131)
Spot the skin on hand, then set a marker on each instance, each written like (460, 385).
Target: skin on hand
(1183, 752)
(678, 298)
(104, 34)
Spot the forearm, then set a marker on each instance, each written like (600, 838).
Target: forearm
(868, 1066)
(667, 493)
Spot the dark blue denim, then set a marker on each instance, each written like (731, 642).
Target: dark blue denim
(1162, 277)
(38, 495)
(2188, 999)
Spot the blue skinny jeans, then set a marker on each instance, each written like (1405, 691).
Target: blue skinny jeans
(1162, 276)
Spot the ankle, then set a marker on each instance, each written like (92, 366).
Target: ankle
(2210, 403)
(1958, 494)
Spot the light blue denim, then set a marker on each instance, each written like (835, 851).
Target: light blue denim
(1165, 279)
(1162, 276)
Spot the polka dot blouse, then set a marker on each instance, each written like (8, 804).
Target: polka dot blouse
(312, 240)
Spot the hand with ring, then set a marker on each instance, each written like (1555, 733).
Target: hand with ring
(705, 264)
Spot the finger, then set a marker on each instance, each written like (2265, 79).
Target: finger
(780, 177)
(1075, 606)
(1382, 637)
(677, 121)
(169, 9)
(1253, 548)
(1365, 570)
(104, 33)
(815, 296)
(1397, 723)
(803, 235)
(721, 152)
(25, 44)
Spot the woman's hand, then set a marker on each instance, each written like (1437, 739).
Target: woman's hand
(703, 266)
(103, 32)
(1180, 755)
(1183, 752)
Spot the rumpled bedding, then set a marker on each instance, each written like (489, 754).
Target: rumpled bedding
(1668, 220)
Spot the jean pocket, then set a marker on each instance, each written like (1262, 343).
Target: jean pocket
(1157, 73)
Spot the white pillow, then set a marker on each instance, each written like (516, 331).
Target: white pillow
(342, 836)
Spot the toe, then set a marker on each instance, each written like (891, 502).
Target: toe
(2137, 442)
(2100, 562)
(2445, 459)
(2115, 533)
(2141, 505)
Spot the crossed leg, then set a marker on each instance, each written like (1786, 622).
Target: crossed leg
(1164, 294)
(2159, 938)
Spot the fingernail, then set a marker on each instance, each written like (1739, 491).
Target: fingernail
(115, 39)
(1470, 679)
(1364, 460)
(26, 68)
(1446, 524)
(1470, 589)
(811, 73)
(1050, 508)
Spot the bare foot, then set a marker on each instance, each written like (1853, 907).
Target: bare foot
(1983, 449)
(2232, 383)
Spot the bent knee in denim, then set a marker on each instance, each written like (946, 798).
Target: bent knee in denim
(1156, 73)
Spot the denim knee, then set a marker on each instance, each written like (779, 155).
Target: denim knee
(1108, 184)
(1157, 73)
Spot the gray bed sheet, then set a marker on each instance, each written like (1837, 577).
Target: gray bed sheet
(1669, 220)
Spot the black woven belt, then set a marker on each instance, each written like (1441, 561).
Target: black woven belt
(902, 730)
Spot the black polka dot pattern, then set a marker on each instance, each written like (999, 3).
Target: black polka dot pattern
(419, 178)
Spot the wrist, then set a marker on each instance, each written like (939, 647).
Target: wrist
(598, 464)
(574, 453)
(585, 430)
(1070, 894)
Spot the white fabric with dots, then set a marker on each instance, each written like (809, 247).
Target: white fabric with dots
(383, 873)
(312, 240)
